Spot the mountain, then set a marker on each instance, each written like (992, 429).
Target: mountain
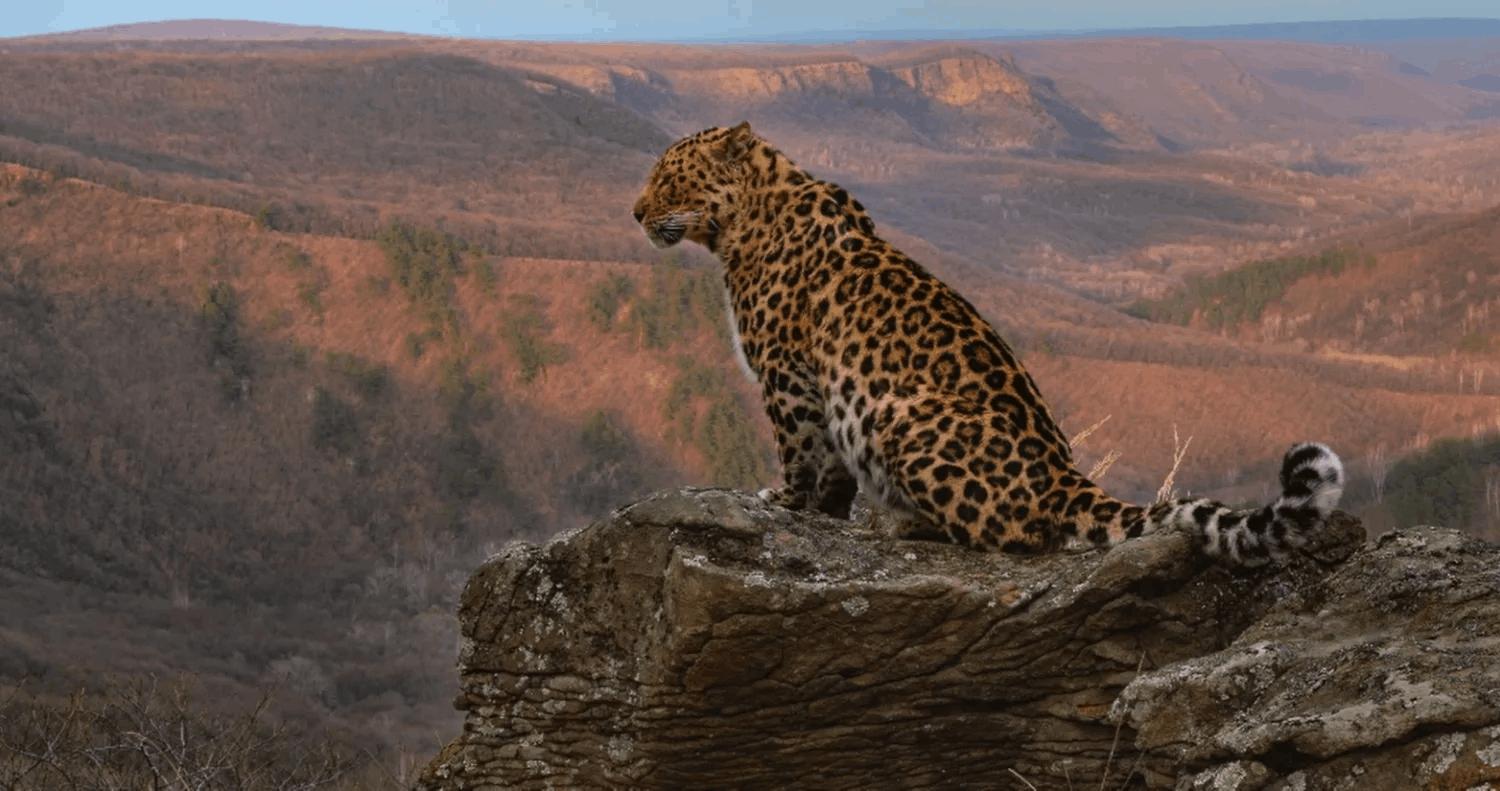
(1198, 93)
(296, 331)
(1353, 30)
(218, 29)
(1471, 60)
(1331, 31)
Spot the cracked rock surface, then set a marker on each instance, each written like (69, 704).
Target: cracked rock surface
(1383, 675)
(701, 639)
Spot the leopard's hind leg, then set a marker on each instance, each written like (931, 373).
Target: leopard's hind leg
(973, 476)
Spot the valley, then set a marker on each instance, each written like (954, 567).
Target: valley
(296, 330)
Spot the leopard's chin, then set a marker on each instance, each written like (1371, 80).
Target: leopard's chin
(659, 242)
(665, 236)
(670, 229)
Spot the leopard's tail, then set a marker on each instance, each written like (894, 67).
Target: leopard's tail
(1312, 480)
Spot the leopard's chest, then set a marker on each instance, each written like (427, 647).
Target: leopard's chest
(768, 321)
(741, 358)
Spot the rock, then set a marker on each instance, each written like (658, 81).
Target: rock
(1383, 675)
(702, 639)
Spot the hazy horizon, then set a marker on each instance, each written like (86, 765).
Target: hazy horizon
(669, 20)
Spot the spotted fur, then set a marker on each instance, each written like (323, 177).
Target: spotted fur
(878, 376)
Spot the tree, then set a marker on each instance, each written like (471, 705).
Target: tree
(334, 423)
(519, 328)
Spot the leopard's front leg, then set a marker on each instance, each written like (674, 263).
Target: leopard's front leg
(814, 477)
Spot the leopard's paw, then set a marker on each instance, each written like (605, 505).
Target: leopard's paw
(786, 497)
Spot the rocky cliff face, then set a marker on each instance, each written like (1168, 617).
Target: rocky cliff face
(846, 78)
(962, 78)
(974, 101)
(699, 639)
(949, 98)
(946, 98)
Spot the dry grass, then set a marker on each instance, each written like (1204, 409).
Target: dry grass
(1103, 464)
(1168, 490)
(145, 734)
(1084, 434)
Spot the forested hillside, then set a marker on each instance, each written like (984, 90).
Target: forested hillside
(295, 333)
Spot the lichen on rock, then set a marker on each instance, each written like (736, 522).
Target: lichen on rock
(1386, 671)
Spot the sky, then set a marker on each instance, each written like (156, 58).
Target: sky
(677, 19)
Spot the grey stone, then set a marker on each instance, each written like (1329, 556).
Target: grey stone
(702, 639)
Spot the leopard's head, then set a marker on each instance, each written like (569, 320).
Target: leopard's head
(694, 186)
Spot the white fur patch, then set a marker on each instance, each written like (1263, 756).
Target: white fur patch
(1330, 470)
(734, 341)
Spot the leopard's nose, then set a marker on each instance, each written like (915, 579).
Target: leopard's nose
(639, 215)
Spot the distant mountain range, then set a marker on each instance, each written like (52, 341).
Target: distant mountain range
(1324, 31)
(214, 29)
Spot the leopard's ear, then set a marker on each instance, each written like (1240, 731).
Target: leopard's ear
(737, 143)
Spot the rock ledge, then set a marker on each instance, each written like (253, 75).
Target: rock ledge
(702, 639)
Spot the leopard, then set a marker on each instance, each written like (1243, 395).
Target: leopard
(878, 377)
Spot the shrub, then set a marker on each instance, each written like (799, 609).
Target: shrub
(465, 469)
(518, 328)
(266, 215)
(296, 260)
(334, 423)
(605, 299)
(485, 278)
(232, 388)
(370, 382)
(728, 442)
(310, 294)
(219, 308)
(368, 378)
(464, 394)
(419, 261)
(691, 380)
(422, 262)
(604, 439)
(278, 318)
(611, 475)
